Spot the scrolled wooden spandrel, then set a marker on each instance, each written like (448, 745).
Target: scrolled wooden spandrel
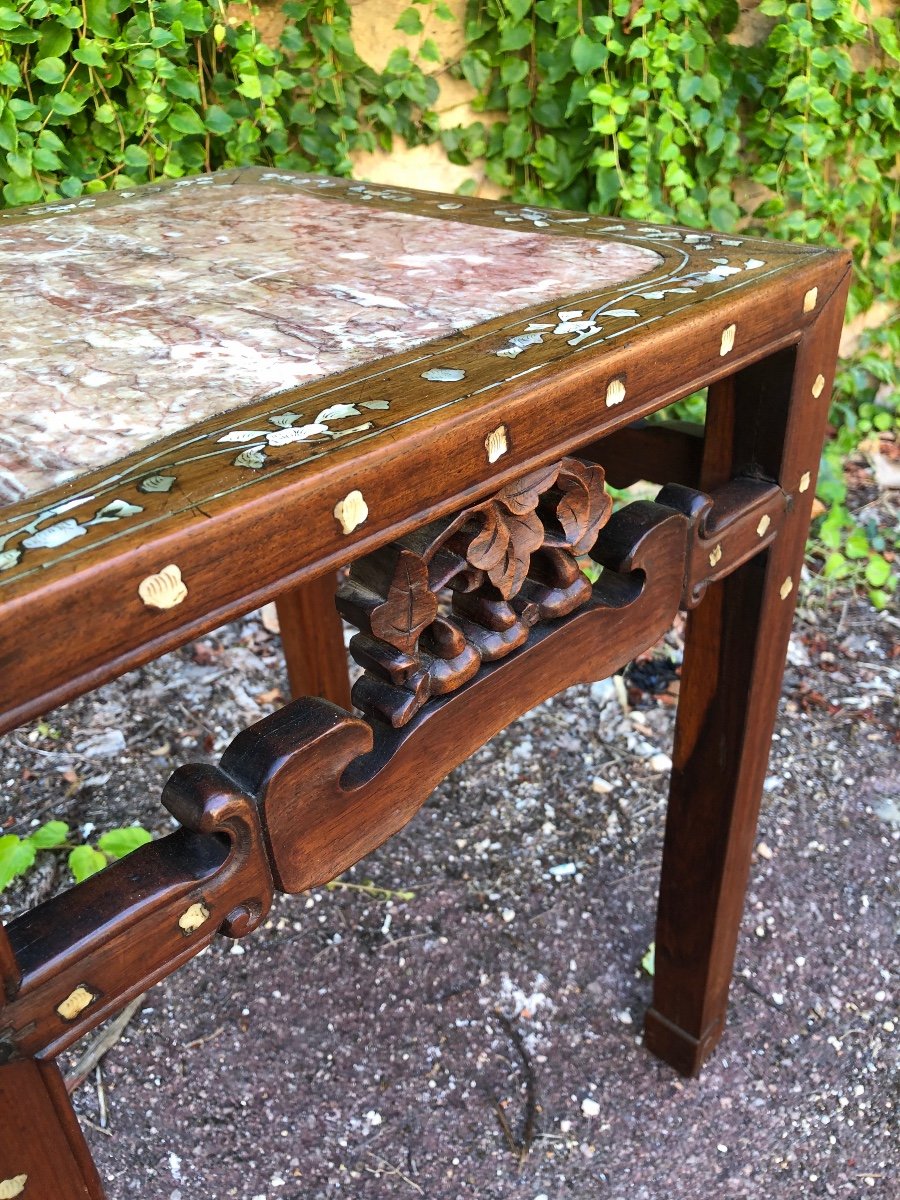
(331, 786)
(508, 563)
(75, 959)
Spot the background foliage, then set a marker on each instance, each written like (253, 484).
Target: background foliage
(642, 108)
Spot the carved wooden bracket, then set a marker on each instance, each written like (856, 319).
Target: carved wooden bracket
(507, 564)
(305, 793)
(74, 960)
(728, 527)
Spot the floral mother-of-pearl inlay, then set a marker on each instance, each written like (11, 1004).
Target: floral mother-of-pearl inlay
(178, 277)
(127, 322)
(351, 511)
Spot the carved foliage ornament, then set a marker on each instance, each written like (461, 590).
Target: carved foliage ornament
(504, 564)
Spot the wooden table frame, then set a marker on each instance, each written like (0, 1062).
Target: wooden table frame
(478, 475)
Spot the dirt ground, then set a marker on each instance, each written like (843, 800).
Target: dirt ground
(481, 1037)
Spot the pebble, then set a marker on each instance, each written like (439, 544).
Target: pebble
(590, 1107)
(601, 786)
(508, 915)
(562, 870)
(764, 851)
(660, 762)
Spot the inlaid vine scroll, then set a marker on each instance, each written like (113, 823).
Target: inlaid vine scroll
(436, 604)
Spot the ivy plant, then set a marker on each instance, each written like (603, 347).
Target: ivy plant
(18, 854)
(98, 94)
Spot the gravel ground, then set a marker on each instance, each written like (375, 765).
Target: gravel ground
(480, 1037)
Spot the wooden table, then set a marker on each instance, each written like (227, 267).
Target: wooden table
(216, 392)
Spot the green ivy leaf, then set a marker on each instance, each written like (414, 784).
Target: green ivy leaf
(50, 835)
(89, 53)
(85, 861)
(409, 22)
(119, 842)
(20, 163)
(16, 856)
(50, 70)
(587, 55)
(185, 120)
(10, 75)
(878, 571)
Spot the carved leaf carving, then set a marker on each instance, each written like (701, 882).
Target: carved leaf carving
(504, 545)
(410, 605)
(584, 506)
(522, 495)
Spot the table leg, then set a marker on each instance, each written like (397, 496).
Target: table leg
(770, 421)
(313, 640)
(42, 1150)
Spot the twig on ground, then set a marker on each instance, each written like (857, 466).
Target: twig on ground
(389, 1169)
(207, 1037)
(102, 1042)
(521, 1146)
(101, 1098)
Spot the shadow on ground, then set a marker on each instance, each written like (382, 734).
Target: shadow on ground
(482, 1037)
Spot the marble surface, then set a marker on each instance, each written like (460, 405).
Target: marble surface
(123, 323)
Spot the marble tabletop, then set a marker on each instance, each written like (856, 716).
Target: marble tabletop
(123, 322)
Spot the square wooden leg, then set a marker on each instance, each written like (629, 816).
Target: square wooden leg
(43, 1154)
(313, 639)
(768, 421)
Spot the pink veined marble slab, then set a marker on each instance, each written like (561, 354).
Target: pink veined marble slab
(128, 322)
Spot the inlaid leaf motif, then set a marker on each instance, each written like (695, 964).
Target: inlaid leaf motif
(286, 437)
(114, 511)
(54, 535)
(584, 506)
(337, 412)
(285, 420)
(9, 558)
(254, 459)
(410, 605)
(244, 435)
(157, 483)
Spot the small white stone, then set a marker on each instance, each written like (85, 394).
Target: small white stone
(625, 1017)
(565, 1126)
(601, 786)
(237, 949)
(562, 870)
(722, 1148)
(778, 998)
(590, 1107)
(373, 1118)
(764, 851)
(508, 915)
(660, 762)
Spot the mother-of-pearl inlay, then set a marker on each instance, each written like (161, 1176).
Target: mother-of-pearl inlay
(125, 322)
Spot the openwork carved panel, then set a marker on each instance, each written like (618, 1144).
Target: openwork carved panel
(436, 604)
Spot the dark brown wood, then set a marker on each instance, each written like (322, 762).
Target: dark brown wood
(85, 953)
(333, 787)
(771, 424)
(43, 1154)
(456, 478)
(313, 639)
(669, 452)
(509, 562)
(424, 457)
